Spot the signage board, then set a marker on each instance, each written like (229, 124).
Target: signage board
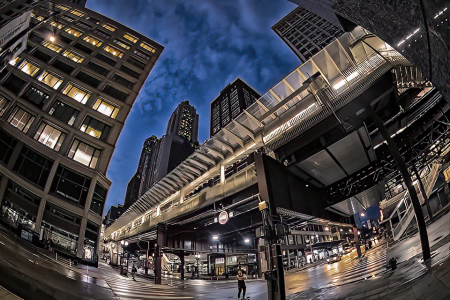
(14, 27)
(223, 217)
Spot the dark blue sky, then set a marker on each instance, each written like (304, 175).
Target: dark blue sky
(208, 43)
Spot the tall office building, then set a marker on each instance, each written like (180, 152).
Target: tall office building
(184, 122)
(305, 32)
(159, 156)
(113, 214)
(146, 167)
(232, 100)
(63, 103)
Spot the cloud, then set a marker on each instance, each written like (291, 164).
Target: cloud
(208, 44)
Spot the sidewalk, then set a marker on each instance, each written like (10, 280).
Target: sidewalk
(6, 295)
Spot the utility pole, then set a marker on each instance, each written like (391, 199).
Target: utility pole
(273, 231)
(408, 181)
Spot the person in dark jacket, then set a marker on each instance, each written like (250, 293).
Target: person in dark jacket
(241, 277)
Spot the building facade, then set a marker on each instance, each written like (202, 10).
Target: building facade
(184, 122)
(63, 104)
(113, 214)
(232, 100)
(305, 32)
(159, 156)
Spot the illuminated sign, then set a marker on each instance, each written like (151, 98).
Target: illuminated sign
(223, 217)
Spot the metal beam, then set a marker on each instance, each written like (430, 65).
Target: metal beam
(247, 130)
(225, 145)
(216, 152)
(199, 163)
(206, 158)
(234, 137)
(253, 119)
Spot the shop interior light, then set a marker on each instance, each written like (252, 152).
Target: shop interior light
(122, 242)
(126, 243)
(342, 230)
(215, 237)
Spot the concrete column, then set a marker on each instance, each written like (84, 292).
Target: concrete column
(15, 154)
(40, 215)
(81, 234)
(160, 241)
(182, 264)
(51, 175)
(222, 174)
(3, 185)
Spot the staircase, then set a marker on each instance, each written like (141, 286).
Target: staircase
(402, 216)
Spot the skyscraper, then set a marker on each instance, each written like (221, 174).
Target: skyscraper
(184, 122)
(305, 32)
(63, 103)
(159, 156)
(232, 100)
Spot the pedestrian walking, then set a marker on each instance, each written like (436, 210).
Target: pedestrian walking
(133, 271)
(241, 277)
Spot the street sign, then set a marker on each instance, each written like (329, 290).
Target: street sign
(223, 217)
(14, 27)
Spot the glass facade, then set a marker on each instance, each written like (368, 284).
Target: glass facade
(70, 185)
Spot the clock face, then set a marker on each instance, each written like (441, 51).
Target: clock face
(223, 217)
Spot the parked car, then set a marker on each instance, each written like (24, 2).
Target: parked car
(333, 258)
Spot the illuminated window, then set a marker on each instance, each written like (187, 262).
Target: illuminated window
(28, 68)
(14, 61)
(109, 27)
(39, 18)
(106, 108)
(76, 93)
(50, 136)
(95, 128)
(92, 40)
(63, 7)
(130, 37)
(77, 13)
(21, 119)
(55, 47)
(148, 47)
(113, 51)
(59, 25)
(73, 56)
(122, 44)
(50, 79)
(3, 105)
(73, 32)
(83, 153)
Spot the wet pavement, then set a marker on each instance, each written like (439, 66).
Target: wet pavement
(34, 273)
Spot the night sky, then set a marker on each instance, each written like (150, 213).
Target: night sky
(208, 44)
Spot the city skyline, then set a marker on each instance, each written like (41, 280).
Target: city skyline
(255, 54)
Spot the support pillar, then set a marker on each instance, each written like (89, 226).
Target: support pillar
(222, 174)
(422, 190)
(182, 265)
(157, 264)
(408, 181)
(40, 215)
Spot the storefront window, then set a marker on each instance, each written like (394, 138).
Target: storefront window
(62, 240)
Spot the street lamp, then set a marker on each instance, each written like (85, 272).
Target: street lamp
(215, 237)
(126, 243)
(52, 38)
(247, 241)
(363, 214)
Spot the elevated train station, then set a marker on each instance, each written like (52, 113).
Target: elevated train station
(309, 150)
